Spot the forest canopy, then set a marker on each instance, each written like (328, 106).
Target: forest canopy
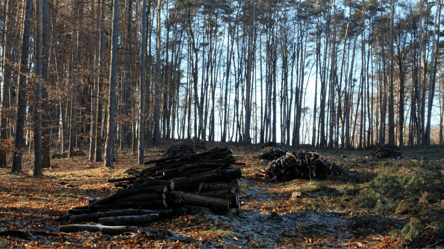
(110, 73)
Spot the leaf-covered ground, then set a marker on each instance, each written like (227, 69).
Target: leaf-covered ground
(379, 203)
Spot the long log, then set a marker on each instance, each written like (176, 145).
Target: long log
(215, 175)
(221, 193)
(157, 204)
(143, 197)
(111, 230)
(137, 220)
(149, 181)
(208, 186)
(197, 200)
(190, 166)
(128, 192)
(122, 179)
(94, 217)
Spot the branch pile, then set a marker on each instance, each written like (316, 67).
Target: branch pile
(270, 153)
(207, 179)
(387, 151)
(305, 165)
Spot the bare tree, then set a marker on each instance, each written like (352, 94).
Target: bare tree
(141, 120)
(112, 89)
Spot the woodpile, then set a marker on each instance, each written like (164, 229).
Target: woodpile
(207, 179)
(387, 151)
(305, 165)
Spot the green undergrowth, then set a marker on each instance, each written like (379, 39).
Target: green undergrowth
(401, 198)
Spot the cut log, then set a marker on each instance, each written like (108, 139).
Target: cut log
(157, 204)
(215, 175)
(208, 186)
(140, 220)
(143, 197)
(94, 217)
(128, 192)
(80, 210)
(122, 179)
(149, 181)
(221, 193)
(111, 230)
(197, 200)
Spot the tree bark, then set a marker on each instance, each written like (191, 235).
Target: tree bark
(142, 220)
(197, 200)
(7, 62)
(141, 120)
(112, 89)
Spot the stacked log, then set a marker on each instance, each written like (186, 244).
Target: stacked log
(207, 179)
(305, 165)
(387, 151)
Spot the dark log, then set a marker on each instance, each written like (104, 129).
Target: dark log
(122, 179)
(94, 217)
(149, 181)
(196, 171)
(221, 193)
(128, 192)
(197, 200)
(80, 210)
(215, 175)
(208, 186)
(157, 204)
(190, 166)
(142, 220)
(143, 197)
(111, 230)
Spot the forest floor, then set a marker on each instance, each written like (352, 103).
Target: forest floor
(378, 203)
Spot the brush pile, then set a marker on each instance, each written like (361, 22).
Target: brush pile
(207, 179)
(305, 165)
(387, 151)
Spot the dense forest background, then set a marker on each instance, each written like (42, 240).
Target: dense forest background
(124, 74)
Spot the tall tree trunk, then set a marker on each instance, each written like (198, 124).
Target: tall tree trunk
(141, 120)
(432, 78)
(37, 107)
(94, 86)
(156, 135)
(7, 62)
(112, 89)
(250, 29)
(46, 117)
(392, 103)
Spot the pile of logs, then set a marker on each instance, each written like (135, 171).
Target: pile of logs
(305, 165)
(387, 151)
(207, 179)
(187, 147)
(270, 153)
